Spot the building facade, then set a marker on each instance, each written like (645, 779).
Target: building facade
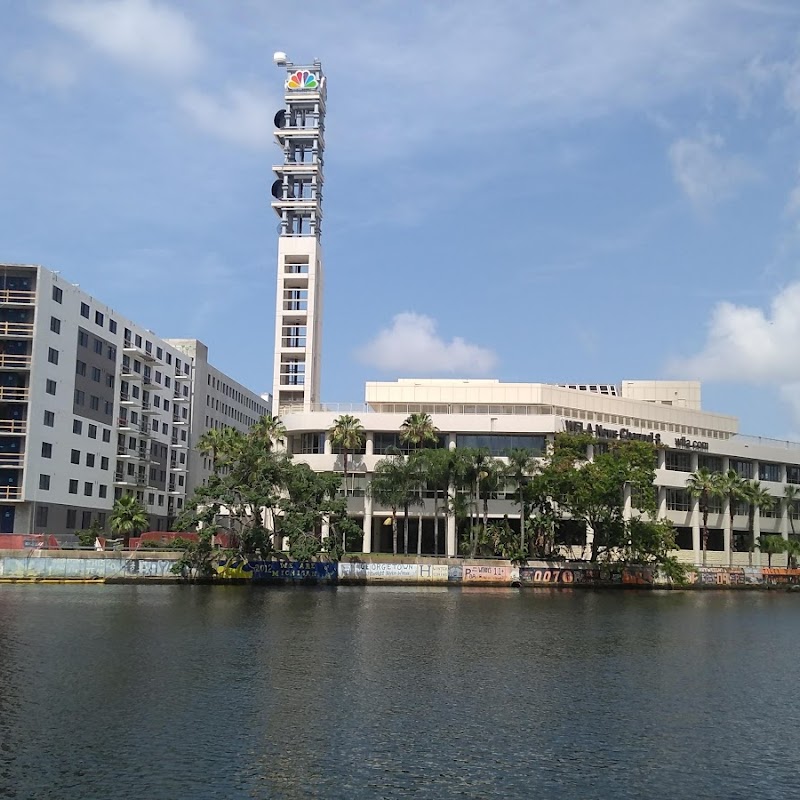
(486, 413)
(94, 407)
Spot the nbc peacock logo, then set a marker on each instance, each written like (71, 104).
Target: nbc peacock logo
(302, 79)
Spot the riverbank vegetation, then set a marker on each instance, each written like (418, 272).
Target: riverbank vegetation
(264, 501)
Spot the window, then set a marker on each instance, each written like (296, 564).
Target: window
(711, 463)
(44, 482)
(112, 326)
(92, 433)
(83, 338)
(86, 519)
(55, 324)
(110, 381)
(41, 516)
(792, 474)
(112, 353)
(167, 380)
(106, 434)
(158, 377)
(52, 355)
(49, 419)
(90, 459)
(769, 472)
(72, 515)
(50, 386)
(103, 462)
(88, 488)
(99, 319)
(109, 408)
(102, 490)
(94, 403)
(77, 426)
(678, 500)
(678, 461)
(744, 469)
(58, 294)
(80, 367)
(151, 498)
(96, 375)
(80, 397)
(47, 450)
(75, 457)
(169, 360)
(98, 346)
(73, 486)
(159, 353)
(85, 310)
(138, 340)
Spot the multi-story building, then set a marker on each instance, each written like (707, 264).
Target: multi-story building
(486, 413)
(94, 406)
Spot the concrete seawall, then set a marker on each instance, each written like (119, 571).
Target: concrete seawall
(376, 569)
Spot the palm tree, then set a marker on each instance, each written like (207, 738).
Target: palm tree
(757, 498)
(389, 488)
(128, 518)
(704, 485)
(269, 429)
(347, 434)
(418, 431)
(771, 545)
(520, 465)
(792, 552)
(733, 487)
(437, 467)
(213, 442)
(790, 495)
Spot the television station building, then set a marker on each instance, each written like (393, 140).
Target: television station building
(486, 413)
(94, 407)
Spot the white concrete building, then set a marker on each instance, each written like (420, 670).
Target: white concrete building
(487, 413)
(94, 406)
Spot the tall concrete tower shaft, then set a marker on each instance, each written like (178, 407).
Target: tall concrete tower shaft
(297, 200)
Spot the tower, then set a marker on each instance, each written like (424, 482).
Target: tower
(297, 200)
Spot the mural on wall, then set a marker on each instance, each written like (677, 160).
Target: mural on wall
(477, 573)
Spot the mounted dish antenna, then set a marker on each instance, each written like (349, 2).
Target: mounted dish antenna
(279, 58)
(280, 119)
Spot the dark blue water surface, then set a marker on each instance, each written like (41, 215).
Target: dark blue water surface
(244, 692)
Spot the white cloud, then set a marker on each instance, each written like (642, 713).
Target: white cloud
(242, 116)
(744, 344)
(141, 33)
(706, 173)
(412, 347)
(48, 68)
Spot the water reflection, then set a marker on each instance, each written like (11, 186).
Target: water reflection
(207, 692)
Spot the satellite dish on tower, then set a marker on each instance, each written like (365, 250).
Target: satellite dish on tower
(277, 189)
(279, 58)
(280, 118)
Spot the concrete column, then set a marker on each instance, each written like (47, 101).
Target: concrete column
(369, 444)
(328, 447)
(590, 452)
(697, 545)
(756, 534)
(661, 454)
(627, 504)
(589, 538)
(367, 543)
(326, 528)
(450, 527)
(662, 502)
(694, 461)
(727, 533)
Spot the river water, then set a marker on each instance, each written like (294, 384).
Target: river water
(246, 692)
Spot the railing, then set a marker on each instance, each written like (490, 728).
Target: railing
(13, 425)
(18, 296)
(16, 329)
(9, 360)
(14, 392)
(128, 372)
(10, 493)
(11, 459)
(763, 441)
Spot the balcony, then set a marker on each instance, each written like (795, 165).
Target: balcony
(13, 460)
(149, 408)
(13, 361)
(10, 493)
(135, 453)
(179, 398)
(126, 399)
(18, 394)
(176, 466)
(182, 377)
(130, 480)
(136, 350)
(17, 297)
(129, 374)
(173, 489)
(179, 420)
(17, 330)
(175, 443)
(17, 426)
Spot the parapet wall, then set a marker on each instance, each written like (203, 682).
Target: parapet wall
(138, 567)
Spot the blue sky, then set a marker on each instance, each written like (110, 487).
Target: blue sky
(593, 190)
